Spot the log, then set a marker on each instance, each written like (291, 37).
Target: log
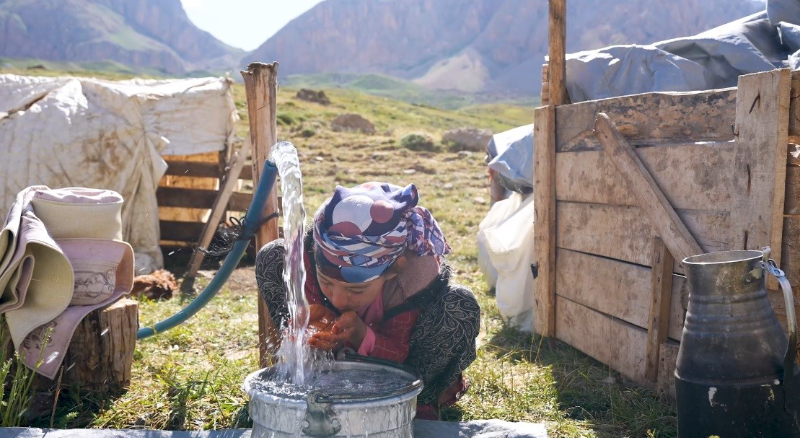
(261, 87)
(544, 167)
(664, 220)
(100, 354)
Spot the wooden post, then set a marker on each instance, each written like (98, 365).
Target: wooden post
(759, 182)
(545, 94)
(658, 323)
(544, 204)
(261, 86)
(558, 52)
(651, 199)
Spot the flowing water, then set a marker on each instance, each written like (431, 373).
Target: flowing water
(295, 359)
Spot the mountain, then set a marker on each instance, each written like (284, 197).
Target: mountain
(153, 34)
(495, 46)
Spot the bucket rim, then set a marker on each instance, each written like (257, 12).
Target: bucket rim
(723, 257)
(413, 388)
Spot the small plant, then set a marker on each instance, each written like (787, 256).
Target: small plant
(17, 380)
(285, 119)
(308, 132)
(418, 142)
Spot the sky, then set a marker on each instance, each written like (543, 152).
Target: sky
(245, 24)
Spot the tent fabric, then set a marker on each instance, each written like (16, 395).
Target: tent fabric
(511, 156)
(712, 59)
(80, 132)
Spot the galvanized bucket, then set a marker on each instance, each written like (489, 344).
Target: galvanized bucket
(322, 415)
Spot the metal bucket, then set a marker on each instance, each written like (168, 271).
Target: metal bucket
(736, 374)
(322, 415)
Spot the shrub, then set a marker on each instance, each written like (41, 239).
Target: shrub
(418, 142)
(285, 119)
(308, 132)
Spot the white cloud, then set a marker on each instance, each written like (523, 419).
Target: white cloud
(194, 4)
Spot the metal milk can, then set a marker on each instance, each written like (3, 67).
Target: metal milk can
(736, 374)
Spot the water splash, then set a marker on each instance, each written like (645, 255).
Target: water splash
(295, 358)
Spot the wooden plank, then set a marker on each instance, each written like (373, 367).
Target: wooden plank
(693, 176)
(664, 220)
(231, 179)
(199, 198)
(557, 75)
(677, 307)
(792, 202)
(650, 118)
(611, 287)
(762, 124)
(261, 88)
(544, 167)
(667, 358)
(661, 296)
(545, 95)
(202, 170)
(180, 231)
(618, 289)
(611, 341)
(624, 233)
(790, 263)
(794, 105)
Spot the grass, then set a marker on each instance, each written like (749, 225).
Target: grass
(190, 377)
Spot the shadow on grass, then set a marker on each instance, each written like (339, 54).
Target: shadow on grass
(75, 407)
(585, 390)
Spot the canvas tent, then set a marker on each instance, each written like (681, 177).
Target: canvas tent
(68, 132)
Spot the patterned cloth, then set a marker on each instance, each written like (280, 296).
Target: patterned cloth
(360, 231)
(433, 332)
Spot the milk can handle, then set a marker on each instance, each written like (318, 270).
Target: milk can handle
(791, 320)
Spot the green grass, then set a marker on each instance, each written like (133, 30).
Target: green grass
(190, 377)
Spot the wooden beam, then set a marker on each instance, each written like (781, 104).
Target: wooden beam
(557, 62)
(199, 169)
(199, 198)
(663, 217)
(545, 94)
(652, 118)
(661, 298)
(544, 190)
(759, 181)
(261, 88)
(236, 163)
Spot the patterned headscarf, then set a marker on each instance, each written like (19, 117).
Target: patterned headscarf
(360, 231)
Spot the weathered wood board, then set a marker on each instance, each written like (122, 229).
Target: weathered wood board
(613, 342)
(615, 288)
(544, 168)
(624, 233)
(692, 176)
(650, 118)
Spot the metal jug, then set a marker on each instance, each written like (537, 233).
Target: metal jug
(736, 374)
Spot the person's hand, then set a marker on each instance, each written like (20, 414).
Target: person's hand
(348, 327)
(320, 318)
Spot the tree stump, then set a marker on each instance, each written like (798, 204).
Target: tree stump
(100, 354)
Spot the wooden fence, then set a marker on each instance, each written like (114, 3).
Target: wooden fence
(608, 283)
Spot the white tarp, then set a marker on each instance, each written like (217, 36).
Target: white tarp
(79, 132)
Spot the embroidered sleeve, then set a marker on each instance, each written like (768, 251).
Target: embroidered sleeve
(393, 339)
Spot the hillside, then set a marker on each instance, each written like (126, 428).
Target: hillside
(493, 46)
(144, 34)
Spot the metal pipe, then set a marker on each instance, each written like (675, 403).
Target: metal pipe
(252, 221)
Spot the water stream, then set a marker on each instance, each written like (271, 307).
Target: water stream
(295, 359)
